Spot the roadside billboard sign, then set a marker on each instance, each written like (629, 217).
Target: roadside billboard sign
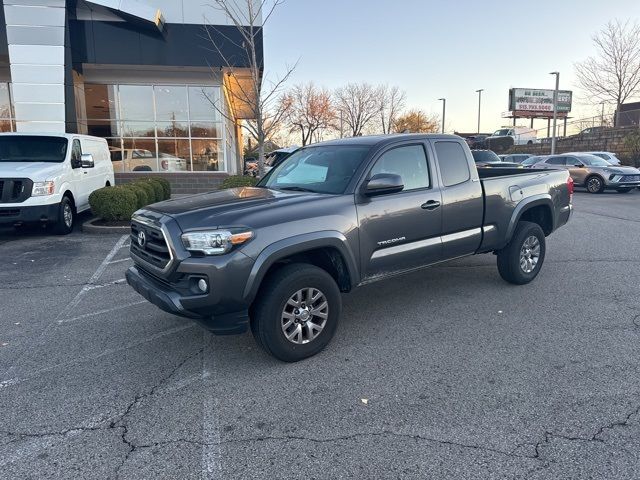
(538, 100)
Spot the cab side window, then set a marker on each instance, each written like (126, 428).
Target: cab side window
(556, 161)
(454, 167)
(76, 151)
(409, 162)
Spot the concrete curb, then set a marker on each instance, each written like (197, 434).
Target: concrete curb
(89, 227)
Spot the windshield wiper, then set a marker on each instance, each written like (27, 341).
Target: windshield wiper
(297, 189)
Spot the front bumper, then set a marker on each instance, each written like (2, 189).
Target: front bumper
(197, 307)
(18, 214)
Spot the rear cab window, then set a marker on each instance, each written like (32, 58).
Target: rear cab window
(453, 163)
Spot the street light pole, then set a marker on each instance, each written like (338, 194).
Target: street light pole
(444, 110)
(602, 114)
(555, 111)
(479, 92)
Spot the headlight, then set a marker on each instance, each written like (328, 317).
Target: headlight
(214, 242)
(42, 188)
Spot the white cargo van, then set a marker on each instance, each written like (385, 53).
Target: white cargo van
(47, 178)
(520, 135)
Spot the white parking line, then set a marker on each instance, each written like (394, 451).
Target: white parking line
(96, 275)
(120, 260)
(100, 312)
(73, 303)
(109, 351)
(211, 454)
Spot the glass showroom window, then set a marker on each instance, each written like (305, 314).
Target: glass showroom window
(167, 128)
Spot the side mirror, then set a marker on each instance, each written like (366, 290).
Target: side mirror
(383, 183)
(86, 161)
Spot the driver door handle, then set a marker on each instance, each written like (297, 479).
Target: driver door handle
(430, 205)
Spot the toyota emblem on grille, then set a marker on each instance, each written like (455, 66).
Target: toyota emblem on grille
(142, 239)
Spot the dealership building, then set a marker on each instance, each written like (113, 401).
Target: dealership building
(149, 76)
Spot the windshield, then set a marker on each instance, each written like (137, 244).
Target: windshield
(485, 156)
(32, 148)
(501, 133)
(593, 161)
(323, 169)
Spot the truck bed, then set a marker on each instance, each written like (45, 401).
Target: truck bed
(506, 188)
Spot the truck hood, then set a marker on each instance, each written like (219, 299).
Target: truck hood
(232, 207)
(36, 171)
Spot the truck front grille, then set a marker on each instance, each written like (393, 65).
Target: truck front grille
(15, 190)
(149, 246)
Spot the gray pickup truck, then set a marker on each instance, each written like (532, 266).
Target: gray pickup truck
(332, 217)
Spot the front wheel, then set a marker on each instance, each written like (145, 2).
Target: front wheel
(296, 312)
(595, 185)
(521, 260)
(66, 217)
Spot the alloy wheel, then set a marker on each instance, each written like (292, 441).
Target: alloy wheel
(529, 254)
(304, 315)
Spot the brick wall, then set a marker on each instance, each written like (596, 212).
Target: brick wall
(609, 140)
(181, 183)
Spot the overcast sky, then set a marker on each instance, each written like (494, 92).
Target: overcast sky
(434, 49)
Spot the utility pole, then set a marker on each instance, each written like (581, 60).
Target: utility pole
(555, 112)
(444, 110)
(479, 92)
(602, 114)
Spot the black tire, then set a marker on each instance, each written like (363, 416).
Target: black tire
(624, 190)
(509, 259)
(64, 226)
(594, 184)
(273, 298)
(530, 142)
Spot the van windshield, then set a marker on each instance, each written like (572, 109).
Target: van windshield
(32, 148)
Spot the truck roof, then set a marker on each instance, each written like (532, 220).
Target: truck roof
(380, 140)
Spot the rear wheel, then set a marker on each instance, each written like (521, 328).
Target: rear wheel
(595, 184)
(66, 217)
(296, 312)
(521, 260)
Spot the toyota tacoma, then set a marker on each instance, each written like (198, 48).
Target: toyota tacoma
(333, 216)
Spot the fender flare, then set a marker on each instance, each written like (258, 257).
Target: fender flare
(533, 201)
(298, 244)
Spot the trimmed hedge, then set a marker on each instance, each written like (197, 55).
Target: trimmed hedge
(238, 181)
(144, 196)
(113, 203)
(118, 203)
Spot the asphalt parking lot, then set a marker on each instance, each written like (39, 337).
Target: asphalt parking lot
(446, 373)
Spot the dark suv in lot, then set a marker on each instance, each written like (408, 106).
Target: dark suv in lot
(331, 217)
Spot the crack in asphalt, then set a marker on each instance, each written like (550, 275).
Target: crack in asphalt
(116, 422)
(123, 425)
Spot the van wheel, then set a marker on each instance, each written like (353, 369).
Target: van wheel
(296, 312)
(530, 142)
(521, 260)
(66, 217)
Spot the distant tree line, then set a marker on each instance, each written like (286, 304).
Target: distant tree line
(314, 113)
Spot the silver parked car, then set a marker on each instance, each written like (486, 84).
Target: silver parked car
(592, 172)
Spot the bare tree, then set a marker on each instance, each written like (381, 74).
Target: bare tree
(392, 101)
(311, 111)
(357, 104)
(416, 121)
(614, 72)
(246, 86)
